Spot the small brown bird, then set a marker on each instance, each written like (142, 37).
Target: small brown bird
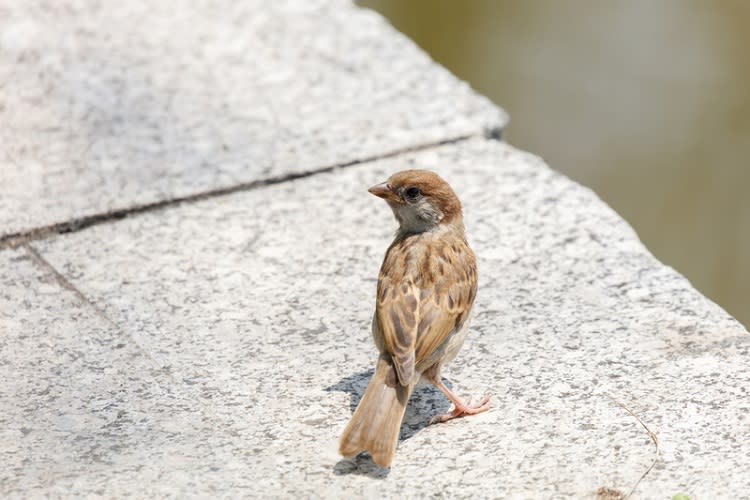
(426, 288)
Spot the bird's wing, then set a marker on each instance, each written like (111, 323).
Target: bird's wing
(419, 306)
(397, 313)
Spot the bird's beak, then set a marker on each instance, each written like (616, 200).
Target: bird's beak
(383, 190)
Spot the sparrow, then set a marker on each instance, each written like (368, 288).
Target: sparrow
(426, 289)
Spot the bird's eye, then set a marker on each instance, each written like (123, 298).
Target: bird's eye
(412, 193)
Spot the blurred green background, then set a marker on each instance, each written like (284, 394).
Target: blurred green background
(647, 102)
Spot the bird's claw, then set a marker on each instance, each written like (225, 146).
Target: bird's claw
(463, 410)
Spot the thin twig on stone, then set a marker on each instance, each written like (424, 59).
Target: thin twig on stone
(650, 434)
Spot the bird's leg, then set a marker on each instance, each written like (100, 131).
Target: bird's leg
(460, 408)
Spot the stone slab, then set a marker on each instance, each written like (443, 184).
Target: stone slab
(258, 305)
(106, 107)
(86, 412)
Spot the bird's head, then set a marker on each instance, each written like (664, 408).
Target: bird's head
(421, 200)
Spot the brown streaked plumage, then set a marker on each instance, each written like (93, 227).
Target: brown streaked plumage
(426, 288)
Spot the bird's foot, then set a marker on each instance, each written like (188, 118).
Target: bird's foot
(463, 409)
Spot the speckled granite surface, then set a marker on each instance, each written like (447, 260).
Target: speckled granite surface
(244, 324)
(105, 106)
(84, 411)
(217, 348)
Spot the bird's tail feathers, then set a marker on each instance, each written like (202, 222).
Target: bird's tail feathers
(376, 422)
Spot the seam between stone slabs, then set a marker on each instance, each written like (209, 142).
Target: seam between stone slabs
(162, 376)
(61, 280)
(21, 238)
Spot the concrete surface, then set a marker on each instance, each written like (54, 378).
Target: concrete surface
(104, 107)
(217, 347)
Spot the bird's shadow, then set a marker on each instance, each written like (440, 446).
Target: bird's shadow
(425, 403)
